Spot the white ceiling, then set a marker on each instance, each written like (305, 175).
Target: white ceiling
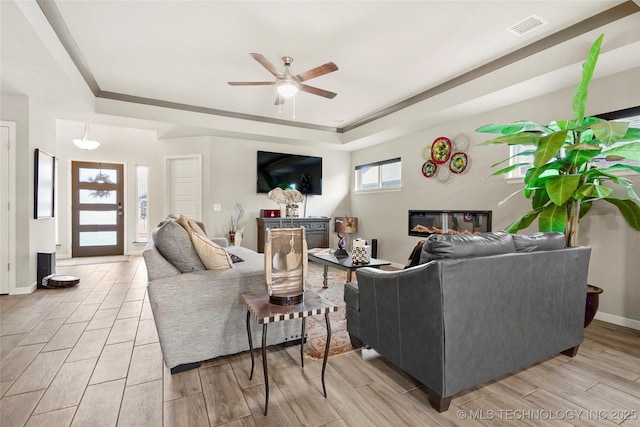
(184, 52)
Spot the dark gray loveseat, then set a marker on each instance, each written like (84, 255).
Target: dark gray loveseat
(478, 307)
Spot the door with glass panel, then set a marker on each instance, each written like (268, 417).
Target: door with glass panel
(97, 209)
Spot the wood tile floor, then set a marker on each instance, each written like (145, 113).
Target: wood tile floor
(89, 356)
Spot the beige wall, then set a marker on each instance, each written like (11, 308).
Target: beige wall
(615, 245)
(35, 128)
(228, 173)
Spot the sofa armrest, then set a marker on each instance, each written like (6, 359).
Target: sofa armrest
(220, 241)
(401, 317)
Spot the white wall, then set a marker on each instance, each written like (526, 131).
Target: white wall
(615, 245)
(229, 176)
(35, 128)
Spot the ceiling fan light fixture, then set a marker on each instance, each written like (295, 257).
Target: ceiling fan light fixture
(287, 87)
(86, 143)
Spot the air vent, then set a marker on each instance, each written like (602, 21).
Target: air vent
(527, 25)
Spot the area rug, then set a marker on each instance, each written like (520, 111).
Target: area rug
(316, 327)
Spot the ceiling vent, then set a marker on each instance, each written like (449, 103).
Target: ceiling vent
(527, 25)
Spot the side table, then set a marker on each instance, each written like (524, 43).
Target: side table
(265, 313)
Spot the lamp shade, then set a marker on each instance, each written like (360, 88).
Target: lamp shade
(287, 87)
(86, 143)
(346, 224)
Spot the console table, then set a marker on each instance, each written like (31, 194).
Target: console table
(317, 230)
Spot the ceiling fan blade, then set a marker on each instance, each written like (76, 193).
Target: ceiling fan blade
(317, 91)
(279, 100)
(251, 83)
(266, 64)
(317, 72)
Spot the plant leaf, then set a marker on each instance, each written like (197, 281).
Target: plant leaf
(579, 100)
(522, 222)
(522, 153)
(510, 128)
(548, 147)
(584, 208)
(540, 198)
(632, 135)
(629, 210)
(579, 157)
(608, 133)
(560, 125)
(508, 169)
(583, 147)
(593, 192)
(523, 138)
(561, 188)
(620, 167)
(630, 151)
(550, 169)
(553, 218)
(503, 201)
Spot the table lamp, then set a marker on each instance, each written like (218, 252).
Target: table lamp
(344, 226)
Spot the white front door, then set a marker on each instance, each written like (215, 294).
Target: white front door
(7, 206)
(184, 186)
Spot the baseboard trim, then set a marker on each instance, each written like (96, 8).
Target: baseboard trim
(618, 320)
(25, 290)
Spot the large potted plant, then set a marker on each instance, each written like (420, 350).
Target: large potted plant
(564, 181)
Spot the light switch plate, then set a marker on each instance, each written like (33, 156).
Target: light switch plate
(217, 207)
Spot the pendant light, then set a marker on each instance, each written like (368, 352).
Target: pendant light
(86, 143)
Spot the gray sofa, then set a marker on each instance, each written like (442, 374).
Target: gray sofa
(476, 308)
(199, 314)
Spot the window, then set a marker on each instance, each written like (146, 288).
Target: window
(631, 115)
(142, 189)
(516, 157)
(382, 175)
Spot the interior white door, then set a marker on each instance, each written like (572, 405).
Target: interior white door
(4, 211)
(184, 186)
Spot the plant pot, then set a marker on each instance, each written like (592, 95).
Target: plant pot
(593, 299)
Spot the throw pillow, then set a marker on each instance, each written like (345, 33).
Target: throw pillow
(214, 257)
(175, 245)
(197, 227)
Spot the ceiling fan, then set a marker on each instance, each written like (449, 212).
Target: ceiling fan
(288, 84)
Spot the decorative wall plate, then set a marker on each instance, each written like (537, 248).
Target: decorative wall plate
(462, 142)
(444, 176)
(459, 162)
(441, 150)
(429, 169)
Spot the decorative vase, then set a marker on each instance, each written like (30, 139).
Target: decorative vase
(232, 237)
(593, 299)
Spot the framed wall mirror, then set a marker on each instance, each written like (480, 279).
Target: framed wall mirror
(44, 185)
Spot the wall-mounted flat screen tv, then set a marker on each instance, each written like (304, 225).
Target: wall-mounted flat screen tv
(302, 173)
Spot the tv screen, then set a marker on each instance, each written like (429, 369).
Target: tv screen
(302, 173)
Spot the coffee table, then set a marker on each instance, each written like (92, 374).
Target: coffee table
(346, 264)
(265, 313)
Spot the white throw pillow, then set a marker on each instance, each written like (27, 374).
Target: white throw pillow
(213, 256)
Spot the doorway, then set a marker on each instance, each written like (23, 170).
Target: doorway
(7, 207)
(184, 186)
(97, 210)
